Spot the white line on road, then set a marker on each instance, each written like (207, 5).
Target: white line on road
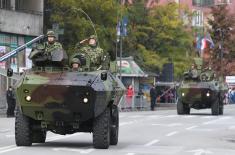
(82, 151)
(6, 147)
(130, 154)
(217, 120)
(10, 136)
(152, 142)
(192, 127)
(4, 130)
(13, 147)
(168, 125)
(172, 133)
(126, 123)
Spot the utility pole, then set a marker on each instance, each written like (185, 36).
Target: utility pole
(121, 39)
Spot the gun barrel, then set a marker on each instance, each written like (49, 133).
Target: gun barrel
(22, 47)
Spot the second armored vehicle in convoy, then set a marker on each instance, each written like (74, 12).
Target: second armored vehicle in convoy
(53, 97)
(201, 89)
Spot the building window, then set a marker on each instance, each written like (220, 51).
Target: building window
(5, 4)
(197, 19)
(224, 2)
(203, 3)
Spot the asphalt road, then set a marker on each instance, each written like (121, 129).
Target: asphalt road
(141, 133)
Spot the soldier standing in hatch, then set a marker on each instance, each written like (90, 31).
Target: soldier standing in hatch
(11, 102)
(51, 43)
(98, 59)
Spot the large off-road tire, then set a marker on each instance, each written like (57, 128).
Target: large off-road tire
(23, 134)
(215, 107)
(39, 136)
(114, 128)
(182, 109)
(101, 130)
(221, 109)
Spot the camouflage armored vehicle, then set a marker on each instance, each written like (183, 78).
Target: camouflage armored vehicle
(201, 89)
(53, 97)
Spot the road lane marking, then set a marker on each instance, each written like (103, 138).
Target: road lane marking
(168, 125)
(5, 130)
(172, 133)
(10, 149)
(14, 147)
(192, 127)
(217, 120)
(6, 147)
(152, 142)
(130, 154)
(10, 136)
(82, 151)
(200, 152)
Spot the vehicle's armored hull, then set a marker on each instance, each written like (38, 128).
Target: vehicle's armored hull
(67, 102)
(201, 95)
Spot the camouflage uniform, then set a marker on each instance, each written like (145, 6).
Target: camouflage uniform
(48, 52)
(98, 58)
(49, 47)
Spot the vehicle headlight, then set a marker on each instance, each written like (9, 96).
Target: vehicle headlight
(85, 100)
(183, 94)
(28, 98)
(208, 94)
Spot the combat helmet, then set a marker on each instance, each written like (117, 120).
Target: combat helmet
(75, 60)
(51, 34)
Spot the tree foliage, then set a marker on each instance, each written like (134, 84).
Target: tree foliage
(154, 35)
(223, 35)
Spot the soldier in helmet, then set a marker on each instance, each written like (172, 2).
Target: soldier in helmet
(98, 58)
(75, 64)
(49, 53)
(51, 43)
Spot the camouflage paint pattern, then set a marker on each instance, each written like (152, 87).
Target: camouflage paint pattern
(194, 92)
(58, 95)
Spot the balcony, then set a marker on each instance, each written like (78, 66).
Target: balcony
(24, 23)
(203, 3)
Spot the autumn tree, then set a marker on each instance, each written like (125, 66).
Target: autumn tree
(223, 35)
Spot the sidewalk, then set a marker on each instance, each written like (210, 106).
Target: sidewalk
(3, 112)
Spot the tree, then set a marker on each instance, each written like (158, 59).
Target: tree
(223, 35)
(78, 27)
(157, 34)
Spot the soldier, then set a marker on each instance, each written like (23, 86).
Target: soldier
(51, 44)
(49, 52)
(11, 102)
(75, 64)
(98, 59)
(193, 71)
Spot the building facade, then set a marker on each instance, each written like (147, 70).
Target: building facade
(20, 22)
(200, 8)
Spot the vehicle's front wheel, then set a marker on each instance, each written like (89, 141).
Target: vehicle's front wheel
(23, 134)
(114, 128)
(182, 109)
(215, 107)
(39, 136)
(221, 107)
(101, 130)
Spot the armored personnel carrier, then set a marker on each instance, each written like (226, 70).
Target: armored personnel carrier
(53, 97)
(201, 89)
